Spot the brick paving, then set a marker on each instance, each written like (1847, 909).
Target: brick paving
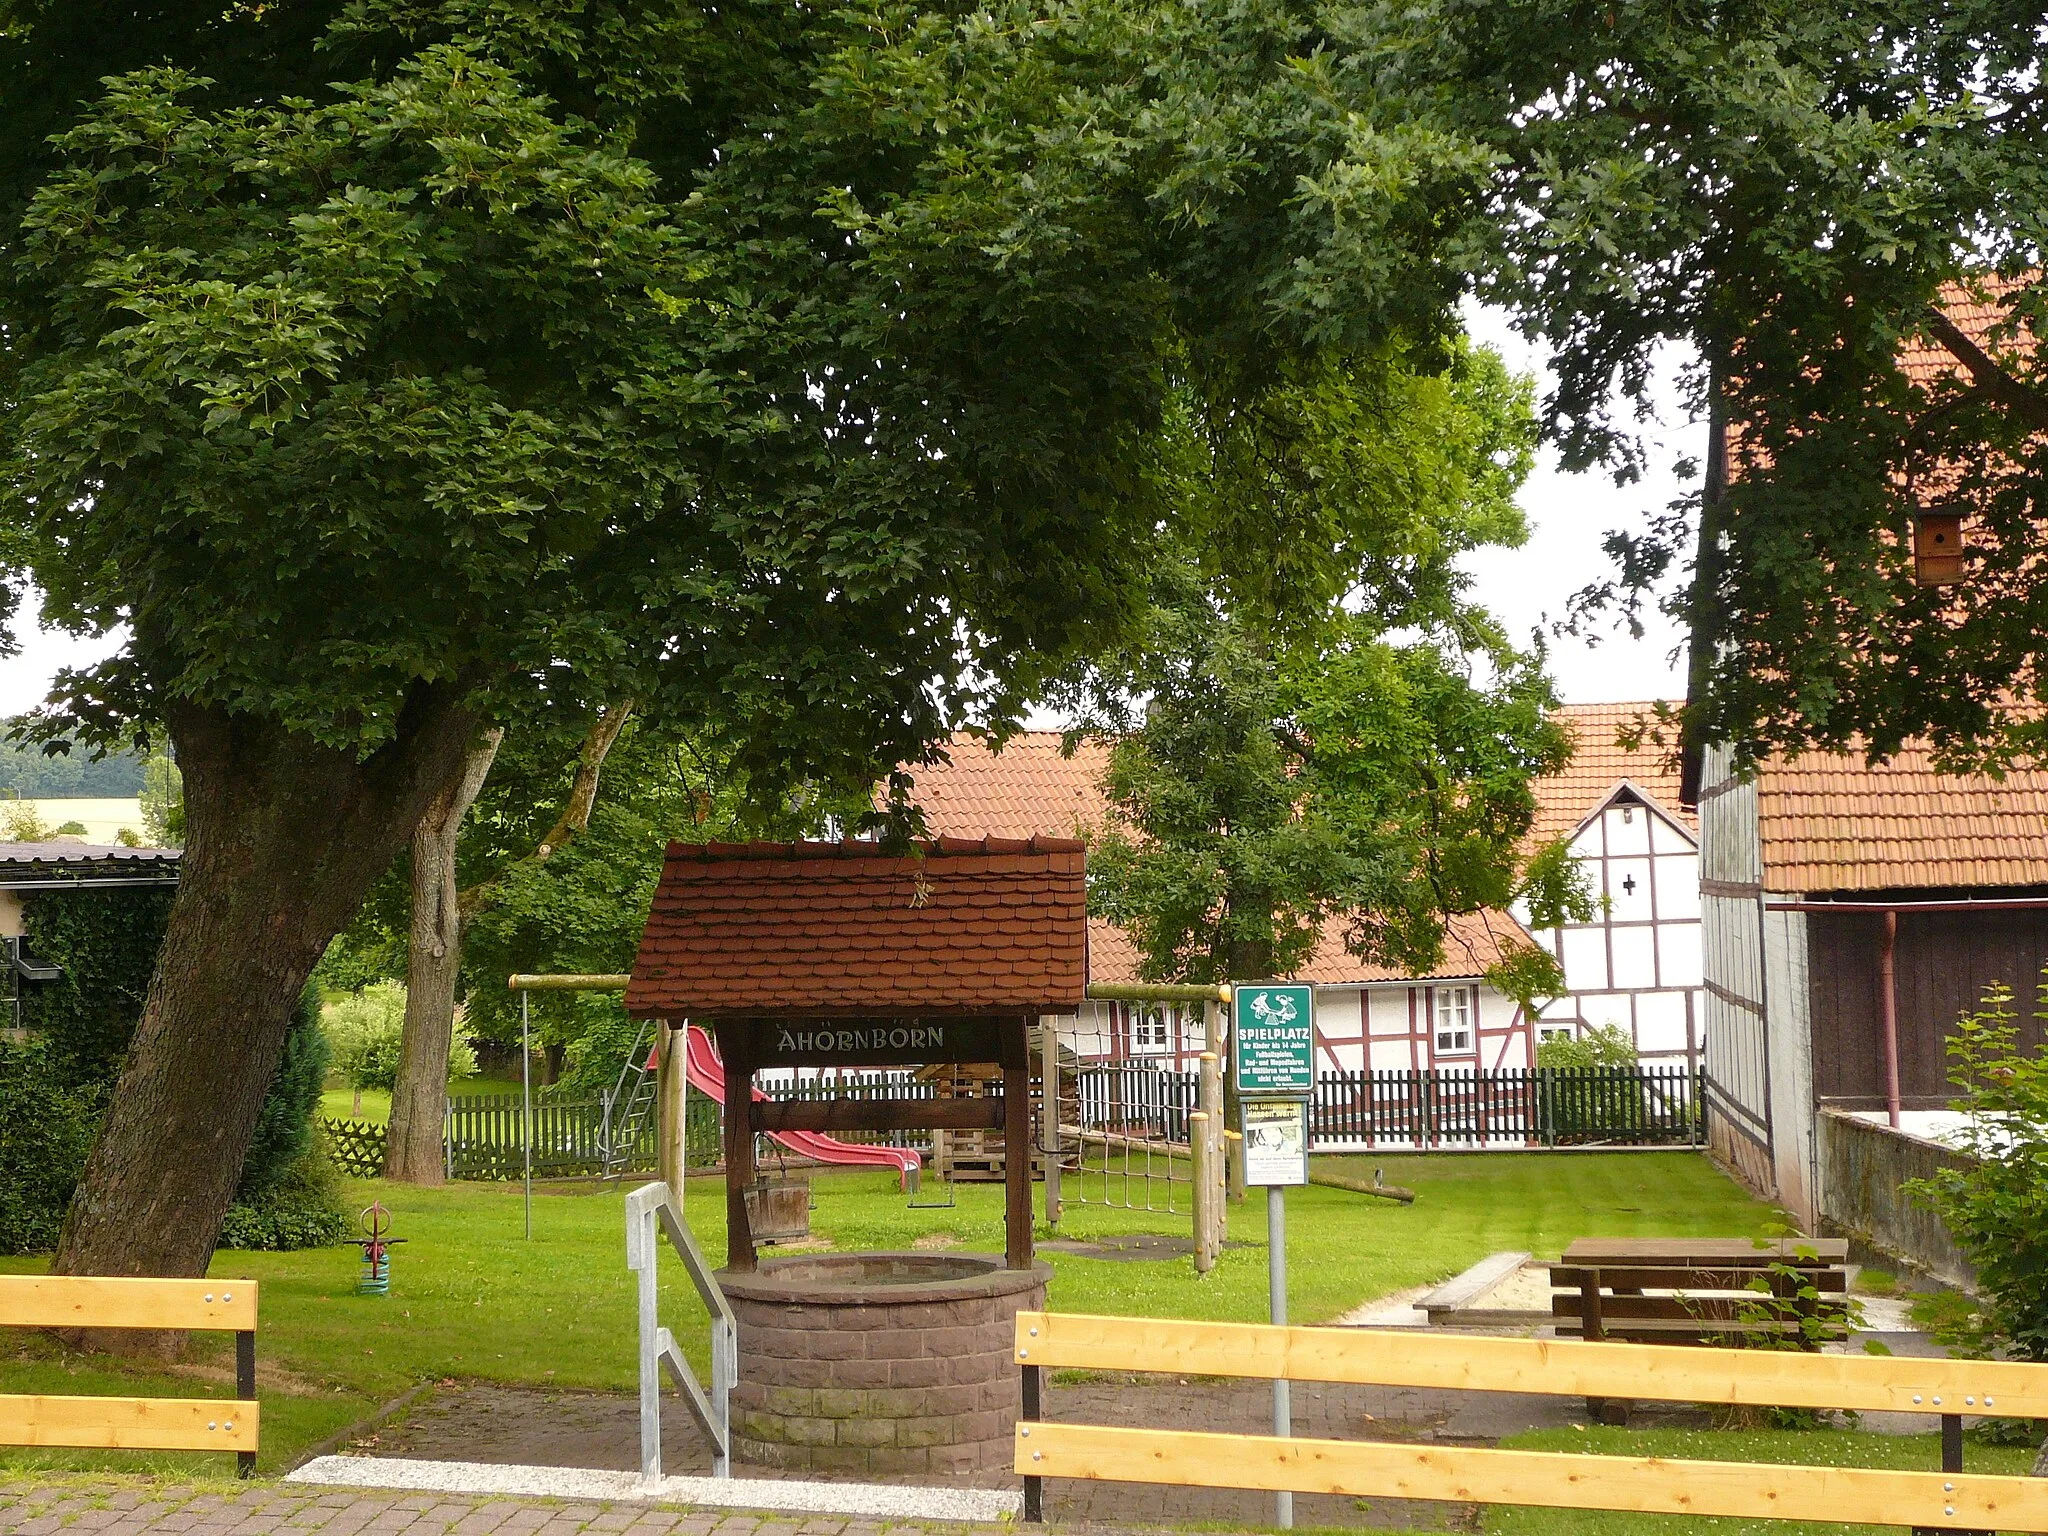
(127, 1507)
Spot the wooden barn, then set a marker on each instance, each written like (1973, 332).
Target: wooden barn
(1852, 913)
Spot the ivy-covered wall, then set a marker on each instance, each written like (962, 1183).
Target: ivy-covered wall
(107, 942)
(54, 1087)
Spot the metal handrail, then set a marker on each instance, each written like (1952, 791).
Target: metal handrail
(645, 1207)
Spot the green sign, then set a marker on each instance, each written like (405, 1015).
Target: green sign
(1276, 1036)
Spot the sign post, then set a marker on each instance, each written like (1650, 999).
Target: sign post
(1275, 1069)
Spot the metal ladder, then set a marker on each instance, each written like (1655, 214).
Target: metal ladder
(628, 1107)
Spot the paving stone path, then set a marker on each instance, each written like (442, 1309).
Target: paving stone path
(129, 1508)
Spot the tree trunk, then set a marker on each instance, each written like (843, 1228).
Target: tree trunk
(433, 962)
(284, 837)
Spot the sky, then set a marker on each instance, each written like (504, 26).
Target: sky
(1568, 516)
(1526, 588)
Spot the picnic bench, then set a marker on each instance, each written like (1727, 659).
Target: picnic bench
(1718, 1290)
(1945, 1500)
(135, 1423)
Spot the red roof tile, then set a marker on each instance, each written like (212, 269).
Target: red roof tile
(1032, 786)
(1599, 763)
(841, 930)
(1833, 823)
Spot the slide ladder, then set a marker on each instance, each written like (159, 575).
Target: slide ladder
(707, 1076)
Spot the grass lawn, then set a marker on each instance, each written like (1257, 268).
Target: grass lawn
(471, 1297)
(1829, 1448)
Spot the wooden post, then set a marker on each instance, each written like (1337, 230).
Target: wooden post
(1201, 1155)
(1017, 1142)
(736, 1046)
(670, 1084)
(1049, 1138)
(1209, 1094)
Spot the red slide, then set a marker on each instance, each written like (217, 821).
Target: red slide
(707, 1075)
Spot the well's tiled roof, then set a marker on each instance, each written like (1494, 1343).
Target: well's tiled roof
(1031, 787)
(1599, 763)
(839, 930)
(1028, 787)
(1832, 823)
(1473, 942)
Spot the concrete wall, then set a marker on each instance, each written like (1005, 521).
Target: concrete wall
(1862, 1169)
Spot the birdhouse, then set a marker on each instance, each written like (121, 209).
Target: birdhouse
(1938, 547)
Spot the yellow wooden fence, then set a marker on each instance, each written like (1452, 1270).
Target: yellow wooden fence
(135, 1423)
(1949, 1389)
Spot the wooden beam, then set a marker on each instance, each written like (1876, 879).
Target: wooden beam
(1561, 1480)
(94, 1301)
(880, 1115)
(1017, 1142)
(129, 1423)
(1413, 1358)
(733, 1048)
(1834, 1281)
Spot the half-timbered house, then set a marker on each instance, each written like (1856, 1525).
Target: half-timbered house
(1635, 962)
(1368, 1017)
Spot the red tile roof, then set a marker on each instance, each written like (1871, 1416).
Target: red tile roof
(1598, 764)
(1030, 786)
(1831, 823)
(840, 930)
(1473, 942)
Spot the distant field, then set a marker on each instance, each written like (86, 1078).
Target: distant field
(102, 819)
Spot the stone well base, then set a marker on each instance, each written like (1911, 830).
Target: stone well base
(879, 1363)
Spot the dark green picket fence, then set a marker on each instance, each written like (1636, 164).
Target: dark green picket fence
(1510, 1106)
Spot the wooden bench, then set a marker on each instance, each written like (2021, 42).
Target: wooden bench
(1601, 1289)
(1949, 1500)
(135, 1423)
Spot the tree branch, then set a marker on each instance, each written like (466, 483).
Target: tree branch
(575, 816)
(1987, 373)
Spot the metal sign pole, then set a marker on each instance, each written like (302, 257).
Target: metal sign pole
(1276, 1284)
(1273, 1065)
(526, 1101)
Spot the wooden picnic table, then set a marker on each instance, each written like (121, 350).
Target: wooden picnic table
(1656, 1290)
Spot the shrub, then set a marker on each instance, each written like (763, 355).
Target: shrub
(1604, 1045)
(1997, 1207)
(46, 1131)
(366, 1030)
(284, 1127)
(301, 1208)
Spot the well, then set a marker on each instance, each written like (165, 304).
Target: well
(879, 1363)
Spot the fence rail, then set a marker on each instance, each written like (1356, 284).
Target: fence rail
(1529, 1106)
(1132, 1102)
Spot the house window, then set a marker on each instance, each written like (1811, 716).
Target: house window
(1150, 1034)
(1561, 1032)
(1454, 1021)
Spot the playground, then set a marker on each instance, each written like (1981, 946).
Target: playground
(511, 1331)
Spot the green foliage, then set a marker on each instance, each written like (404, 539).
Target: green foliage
(46, 1130)
(302, 1207)
(70, 773)
(1312, 740)
(1784, 198)
(21, 822)
(1603, 1045)
(365, 1031)
(163, 801)
(107, 943)
(1997, 1207)
(284, 1128)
